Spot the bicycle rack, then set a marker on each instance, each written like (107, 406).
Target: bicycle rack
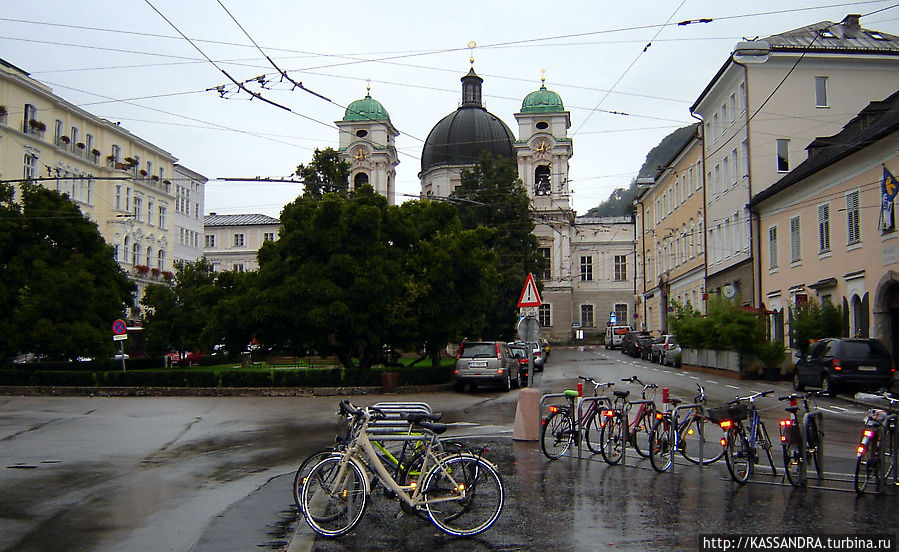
(674, 421)
(604, 400)
(577, 419)
(627, 424)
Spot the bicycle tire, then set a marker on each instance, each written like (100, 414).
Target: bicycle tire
(867, 468)
(661, 451)
(815, 447)
(642, 429)
(556, 435)
(334, 497)
(480, 503)
(738, 456)
(304, 469)
(593, 431)
(692, 432)
(612, 440)
(793, 461)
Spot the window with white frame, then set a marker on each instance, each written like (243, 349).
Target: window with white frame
(733, 108)
(726, 172)
(728, 244)
(724, 118)
(621, 313)
(692, 239)
(735, 167)
(544, 315)
(716, 127)
(160, 260)
(620, 267)
(163, 211)
(853, 223)
(29, 166)
(138, 207)
(587, 320)
(783, 155)
(821, 92)
(683, 187)
(699, 238)
(717, 183)
(239, 240)
(209, 240)
(795, 250)
(692, 181)
(772, 247)
(586, 268)
(744, 149)
(698, 175)
(824, 228)
(742, 98)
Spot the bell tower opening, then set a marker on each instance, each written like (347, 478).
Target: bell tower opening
(541, 180)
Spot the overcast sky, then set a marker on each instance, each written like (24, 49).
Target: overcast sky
(626, 71)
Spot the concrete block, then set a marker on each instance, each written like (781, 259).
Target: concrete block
(527, 416)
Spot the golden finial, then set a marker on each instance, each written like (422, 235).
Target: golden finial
(471, 47)
(368, 87)
(543, 77)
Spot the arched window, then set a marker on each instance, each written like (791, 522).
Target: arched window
(149, 255)
(160, 259)
(135, 254)
(125, 250)
(360, 179)
(541, 180)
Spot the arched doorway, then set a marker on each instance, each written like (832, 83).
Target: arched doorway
(359, 180)
(886, 312)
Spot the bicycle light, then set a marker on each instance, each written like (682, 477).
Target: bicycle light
(659, 416)
(608, 413)
(784, 423)
(868, 433)
(723, 442)
(860, 449)
(726, 424)
(553, 409)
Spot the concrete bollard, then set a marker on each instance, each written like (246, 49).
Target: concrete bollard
(527, 416)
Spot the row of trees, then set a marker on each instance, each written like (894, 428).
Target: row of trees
(350, 273)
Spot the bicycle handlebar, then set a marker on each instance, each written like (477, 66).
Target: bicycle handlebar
(700, 395)
(751, 398)
(595, 383)
(803, 396)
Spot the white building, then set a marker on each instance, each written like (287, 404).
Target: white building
(187, 214)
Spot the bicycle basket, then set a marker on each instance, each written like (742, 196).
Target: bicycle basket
(734, 412)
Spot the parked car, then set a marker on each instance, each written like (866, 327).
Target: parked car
(539, 352)
(489, 362)
(614, 335)
(659, 347)
(630, 344)
(646, 353)
(520, 352)
(186, 358)
(671, 353)
(836, 362)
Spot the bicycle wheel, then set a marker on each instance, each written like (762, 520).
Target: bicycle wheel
(696, 434)
(593, 432)
(793, 461)
(867, 468)
(815, 447)
(334, 497)
(612, 440)
(463, 495)
(661, 453)
(642, 429)
(556, 435)
(738, 456)
(305, 468)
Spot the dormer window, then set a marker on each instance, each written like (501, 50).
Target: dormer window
(827, 34)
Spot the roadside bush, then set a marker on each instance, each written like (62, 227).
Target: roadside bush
(307, 378)
(246, 378)
(15, 377)
(69, 378)
(726, 326)
(814, 321)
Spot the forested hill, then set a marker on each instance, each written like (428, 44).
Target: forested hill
(621, 200)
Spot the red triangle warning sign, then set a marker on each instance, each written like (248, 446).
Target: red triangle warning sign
(530, 297)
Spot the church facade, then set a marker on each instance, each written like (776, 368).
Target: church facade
(591, 264)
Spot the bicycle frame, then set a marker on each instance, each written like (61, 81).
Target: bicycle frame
(795, 430)
(579, 414)
(880, 431)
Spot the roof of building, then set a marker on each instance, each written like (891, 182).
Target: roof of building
(876, 121)
(847, 37)
(542, 101)
(214, 219)
(461, 137)
(366, 109)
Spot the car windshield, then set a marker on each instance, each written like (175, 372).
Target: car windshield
(864, 349)
(473, 350)
(518, 351)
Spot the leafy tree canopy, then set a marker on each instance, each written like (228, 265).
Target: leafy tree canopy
(62, 287)
(326, 173)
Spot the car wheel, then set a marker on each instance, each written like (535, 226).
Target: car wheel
(797, 384)
(826, 385)
(507, 383)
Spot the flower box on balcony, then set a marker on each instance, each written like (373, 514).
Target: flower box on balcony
(143, 173)
(154, 272)
(142, 269)
(155, 177)
(80, 145)
(65, 139)
(36, 125)
(95, 152)
(167, 275)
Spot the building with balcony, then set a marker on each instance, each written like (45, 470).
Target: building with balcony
(118, 180)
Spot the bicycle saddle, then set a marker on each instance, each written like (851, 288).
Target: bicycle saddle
(792, 409)
(417, 417)
(432, 426)
(621, 394)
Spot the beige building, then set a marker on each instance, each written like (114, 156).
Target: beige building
(770, 99)
(187, 214)
(118, 180)
(824, 232)
(231, 242)
(669, 228)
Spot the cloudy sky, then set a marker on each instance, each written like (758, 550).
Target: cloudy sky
(627, 72)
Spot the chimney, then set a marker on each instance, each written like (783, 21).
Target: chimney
(851, 21)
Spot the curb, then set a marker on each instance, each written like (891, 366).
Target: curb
(63, 391)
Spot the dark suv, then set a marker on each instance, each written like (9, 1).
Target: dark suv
(631, 344)
(834, 362)
(487, 362)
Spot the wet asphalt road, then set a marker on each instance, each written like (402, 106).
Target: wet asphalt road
(215, 474)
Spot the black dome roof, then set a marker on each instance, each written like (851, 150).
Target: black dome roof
(461, 137)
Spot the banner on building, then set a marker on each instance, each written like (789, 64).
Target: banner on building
(888, 189)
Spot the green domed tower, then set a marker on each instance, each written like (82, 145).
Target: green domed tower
(542, 101)
(367, 143)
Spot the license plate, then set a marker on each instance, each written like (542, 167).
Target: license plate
(867, 368)
(477, 364)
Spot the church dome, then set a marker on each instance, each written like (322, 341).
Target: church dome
(366, 109)
(461, 137)
(542, 101)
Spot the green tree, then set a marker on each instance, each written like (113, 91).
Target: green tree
(814, 321)
(492, 196)
(62, 287)
(326, 173)
(725, 326)
(332, 279)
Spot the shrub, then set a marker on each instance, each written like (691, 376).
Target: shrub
(246, 378)
(813, 321)
(70, 378)
(726, 326)
(15, 377)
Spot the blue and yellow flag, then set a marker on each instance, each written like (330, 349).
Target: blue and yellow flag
(889, 186)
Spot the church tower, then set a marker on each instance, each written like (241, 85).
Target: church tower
(367, 143)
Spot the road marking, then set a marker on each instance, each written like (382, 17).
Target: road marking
(711, 381)
(846, 410)
(681, 374)
(731, 386)
(694, 377)
(667, 371)
(829, 410)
